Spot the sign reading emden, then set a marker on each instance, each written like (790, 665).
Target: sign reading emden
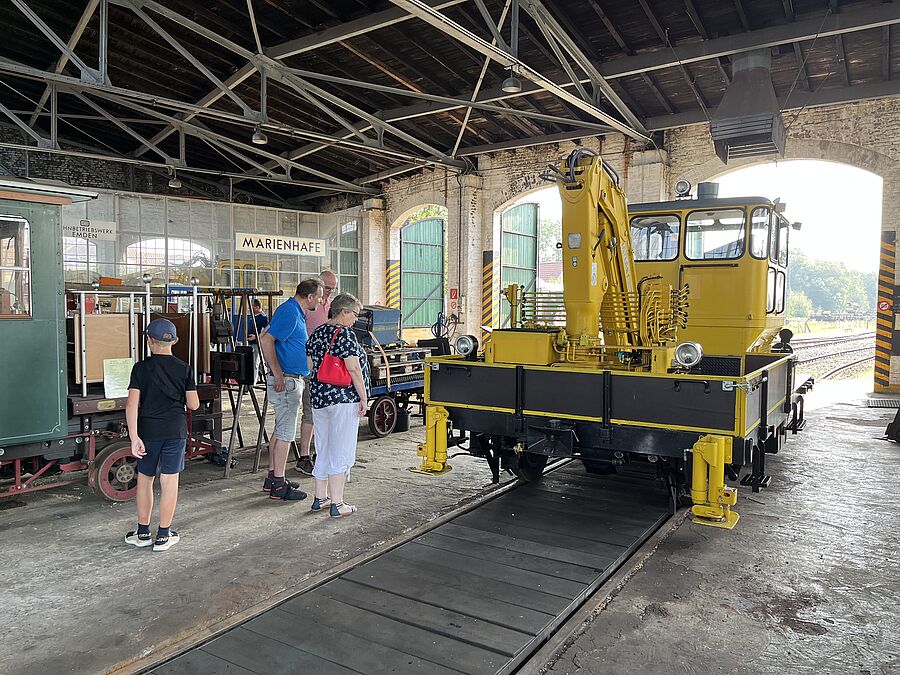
(272, 243)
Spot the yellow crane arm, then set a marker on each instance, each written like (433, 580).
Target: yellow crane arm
(598, 264)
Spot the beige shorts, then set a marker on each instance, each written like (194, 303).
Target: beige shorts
(287, 406)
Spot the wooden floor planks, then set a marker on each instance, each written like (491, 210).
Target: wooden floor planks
(467, 597)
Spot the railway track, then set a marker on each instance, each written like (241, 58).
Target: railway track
(846, 366)
(822, 357)
(811, 342)
(479, 592)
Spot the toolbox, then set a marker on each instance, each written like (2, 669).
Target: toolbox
(384, 322)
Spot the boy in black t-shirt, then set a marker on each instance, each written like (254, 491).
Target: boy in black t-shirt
(160, 389)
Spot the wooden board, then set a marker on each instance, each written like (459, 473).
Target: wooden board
(107, 337)
(476, 595)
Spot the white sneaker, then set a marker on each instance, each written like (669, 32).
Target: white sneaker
(165, 543)
(139, 540)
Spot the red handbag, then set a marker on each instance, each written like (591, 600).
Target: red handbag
(333, 370)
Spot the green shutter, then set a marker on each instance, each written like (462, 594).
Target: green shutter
(422, 272)
(518, 251)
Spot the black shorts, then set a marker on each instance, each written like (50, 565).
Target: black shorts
(165, 456)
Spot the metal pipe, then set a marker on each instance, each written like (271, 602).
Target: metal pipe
(82, 336)
(132, 335)
(195, 341)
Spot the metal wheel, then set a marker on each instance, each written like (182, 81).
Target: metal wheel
(114, 472)
(383, 416)
(531, 466)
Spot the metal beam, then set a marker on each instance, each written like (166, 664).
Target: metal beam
(180, 106)
(450, 27)
(124, 127)
(87, 73)
(843, 66)
(886, 53)
(742, 15)
(801, 64)
(798, 99)
(527, 142)
(544, 18)
(345, 31)
(41, 141)
(847, 21)
(63, 59)
(788, 9)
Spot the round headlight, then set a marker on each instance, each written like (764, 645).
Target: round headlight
(688, 354)
(466, 345)
(682, 187)
(146, 278)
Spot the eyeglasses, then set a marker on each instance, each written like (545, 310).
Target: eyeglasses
(330, 288)
(356, 314)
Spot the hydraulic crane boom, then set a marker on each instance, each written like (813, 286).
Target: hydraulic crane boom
(598, 264)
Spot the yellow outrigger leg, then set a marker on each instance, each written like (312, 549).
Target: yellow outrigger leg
(434, 450)
(712, 499)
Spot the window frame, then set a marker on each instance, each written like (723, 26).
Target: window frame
(26, 269)
(769, 211)
(741, 209)
(678, 245)
(783, 224)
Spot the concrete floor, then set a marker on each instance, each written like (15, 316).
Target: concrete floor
(808, 581)
(77, 599)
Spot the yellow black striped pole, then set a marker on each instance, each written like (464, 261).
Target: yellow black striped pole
(487, 292)
(392, 284)
(884, 328)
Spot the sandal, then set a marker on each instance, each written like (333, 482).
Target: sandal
(320, 504)
(337, 510)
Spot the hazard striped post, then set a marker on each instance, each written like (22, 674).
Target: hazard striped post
(487, 292)
(884, 328)
(392, 284)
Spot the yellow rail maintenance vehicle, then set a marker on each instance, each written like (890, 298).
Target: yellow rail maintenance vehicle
(659, 348)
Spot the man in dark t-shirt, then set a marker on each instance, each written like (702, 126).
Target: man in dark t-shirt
(161, 387)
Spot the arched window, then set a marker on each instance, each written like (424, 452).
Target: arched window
(183, 259)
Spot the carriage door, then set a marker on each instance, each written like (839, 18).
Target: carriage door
(518, 251)
(32, 329)
(422, 272)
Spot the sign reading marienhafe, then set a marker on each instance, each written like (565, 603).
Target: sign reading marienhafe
(273, 243)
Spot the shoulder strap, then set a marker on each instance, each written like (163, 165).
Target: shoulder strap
(333, 338)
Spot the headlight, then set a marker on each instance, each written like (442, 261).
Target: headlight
(466, 345)
(682, 187)
(688, 354)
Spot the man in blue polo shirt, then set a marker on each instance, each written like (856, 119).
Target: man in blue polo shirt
(284, 348)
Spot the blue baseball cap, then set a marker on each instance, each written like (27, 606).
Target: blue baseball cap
(162, 330)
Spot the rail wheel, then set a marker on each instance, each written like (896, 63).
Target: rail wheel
(114, 472)
(531, 466)
(383, 416)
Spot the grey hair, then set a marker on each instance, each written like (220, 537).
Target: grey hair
(344, 301)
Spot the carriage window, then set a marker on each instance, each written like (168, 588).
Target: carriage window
(759, 233)
(715, 235)
(773, 240)
(770, 291)
(15, 267)
(655, 237)
(779, 293)
(783, 228)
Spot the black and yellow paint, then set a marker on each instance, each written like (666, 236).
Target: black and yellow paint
(392, 284)
(487, 292)
(884, 328)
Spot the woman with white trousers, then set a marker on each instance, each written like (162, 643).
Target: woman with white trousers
(336, 408)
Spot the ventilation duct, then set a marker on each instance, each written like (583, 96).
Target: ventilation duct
(747, 122)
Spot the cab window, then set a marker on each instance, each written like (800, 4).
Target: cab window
(655, 237)
(15, 267)
(717, 234)
(773, 240)
(783, 229)
(759, 233)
